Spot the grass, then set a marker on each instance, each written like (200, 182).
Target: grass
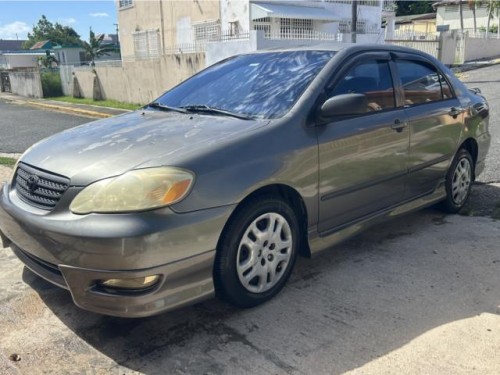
(8, 162)
(101, 103)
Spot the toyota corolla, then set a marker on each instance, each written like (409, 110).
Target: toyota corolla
(218, 185)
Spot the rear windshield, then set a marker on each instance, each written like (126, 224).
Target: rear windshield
(264, 85)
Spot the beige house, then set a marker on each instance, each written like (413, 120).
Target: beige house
(417, 24)
(150, 28)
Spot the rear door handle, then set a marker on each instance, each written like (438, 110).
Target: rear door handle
(398, 125)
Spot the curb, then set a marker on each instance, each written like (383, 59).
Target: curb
(461, 69)
(65, 109)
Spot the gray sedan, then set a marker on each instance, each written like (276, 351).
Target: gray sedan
(218, 185)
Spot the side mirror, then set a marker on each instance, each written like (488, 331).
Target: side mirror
(344, 105)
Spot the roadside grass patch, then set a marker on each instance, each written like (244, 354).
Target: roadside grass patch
(100, 103)
(8, 162)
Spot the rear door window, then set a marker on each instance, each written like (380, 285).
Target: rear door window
(422, 83)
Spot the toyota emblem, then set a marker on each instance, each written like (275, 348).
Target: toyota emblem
(32, 183)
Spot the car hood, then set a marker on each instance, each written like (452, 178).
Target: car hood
(113, 146)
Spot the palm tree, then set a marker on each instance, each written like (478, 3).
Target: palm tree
(95, 49)
(493, 7)
(461, 16)
(472, 6)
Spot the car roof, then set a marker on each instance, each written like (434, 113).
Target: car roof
(336, 47)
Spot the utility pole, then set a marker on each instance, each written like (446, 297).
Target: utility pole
(354, 20)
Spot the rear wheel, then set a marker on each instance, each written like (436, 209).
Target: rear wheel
(257, 252)
(459, 181)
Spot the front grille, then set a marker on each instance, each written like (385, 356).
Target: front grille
(39, 188)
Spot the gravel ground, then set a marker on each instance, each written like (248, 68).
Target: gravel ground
(4, 173)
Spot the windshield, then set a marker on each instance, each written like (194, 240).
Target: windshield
(264, 85)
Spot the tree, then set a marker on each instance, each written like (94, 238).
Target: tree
(56, 33)
(407, 8)
(94, 48)
(493, 8)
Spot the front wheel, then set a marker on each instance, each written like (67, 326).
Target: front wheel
(257, 252)
(459, 181)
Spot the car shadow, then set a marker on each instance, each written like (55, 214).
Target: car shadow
(340, 310)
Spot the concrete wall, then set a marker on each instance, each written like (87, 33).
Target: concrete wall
(216, 51)
(141, 81)
(66, 72)
(476, 48)
(26, 82)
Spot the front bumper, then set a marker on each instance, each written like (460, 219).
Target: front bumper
(76, 251)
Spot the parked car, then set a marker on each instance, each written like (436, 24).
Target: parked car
(219, 184)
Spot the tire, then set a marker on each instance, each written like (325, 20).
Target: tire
(253, 264)
(458, 182)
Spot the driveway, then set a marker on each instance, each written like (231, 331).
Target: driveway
(416, 295)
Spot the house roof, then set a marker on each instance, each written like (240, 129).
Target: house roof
(285, 10)
(44, 44)
(415, 17)
(447, 2)
(11, 45)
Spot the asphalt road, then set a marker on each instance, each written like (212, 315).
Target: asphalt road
(22, 126)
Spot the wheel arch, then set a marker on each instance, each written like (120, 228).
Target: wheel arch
(470, 144)
(289, 195)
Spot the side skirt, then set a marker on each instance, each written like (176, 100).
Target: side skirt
(319, 242)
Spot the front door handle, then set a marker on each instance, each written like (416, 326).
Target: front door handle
(454, 112)
(398, 125)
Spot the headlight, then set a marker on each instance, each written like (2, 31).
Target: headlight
(138, 190)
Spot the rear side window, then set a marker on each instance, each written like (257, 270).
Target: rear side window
(422, 83)
(371, 78)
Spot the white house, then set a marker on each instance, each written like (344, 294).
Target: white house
(251, 25)
(448, 13)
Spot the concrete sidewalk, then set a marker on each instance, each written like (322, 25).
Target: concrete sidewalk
(85, 110)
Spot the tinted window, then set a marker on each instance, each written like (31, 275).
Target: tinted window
(372, 78)
(422, 83)
(263, 85)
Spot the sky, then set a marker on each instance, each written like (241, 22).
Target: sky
(18, 17)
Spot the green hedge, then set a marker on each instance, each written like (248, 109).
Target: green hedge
(51, 84)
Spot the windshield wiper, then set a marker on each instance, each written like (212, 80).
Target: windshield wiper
(208, 109)
(166, 107)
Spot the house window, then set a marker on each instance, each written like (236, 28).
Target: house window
(125, 3)
(263, 24)
(451, 8)
(147, 44)
(205, 31)
(345, 26)
(295, 28)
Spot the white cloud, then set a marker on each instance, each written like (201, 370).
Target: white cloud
(14, 30)
(99, 14)
(67, 21)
